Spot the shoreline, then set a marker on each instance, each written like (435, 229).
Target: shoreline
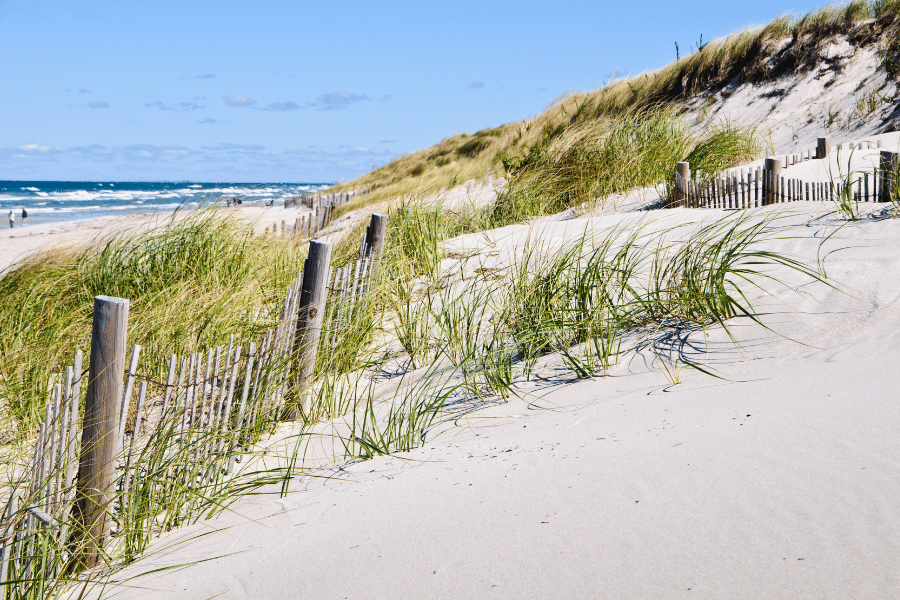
(19, 242)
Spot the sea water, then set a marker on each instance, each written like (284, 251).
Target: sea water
(53, 201)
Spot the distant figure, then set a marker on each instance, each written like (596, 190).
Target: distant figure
(24, 218)
(12, 218)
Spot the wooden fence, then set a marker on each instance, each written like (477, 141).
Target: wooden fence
(309, 224)
(766, 185)
(213, 402)
(313, 200)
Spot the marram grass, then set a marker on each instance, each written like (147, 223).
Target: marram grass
(190, 284)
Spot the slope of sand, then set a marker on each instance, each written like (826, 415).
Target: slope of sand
(847, 96)
(780, 480)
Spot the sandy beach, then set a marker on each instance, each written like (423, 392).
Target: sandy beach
(18, 242)
(780, 478)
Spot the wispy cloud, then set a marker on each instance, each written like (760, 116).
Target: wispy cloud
(177, 106)
(476, 85)
(387, 141)
(238, 101)
(84, 91)
(337, 100)
(97, 104)
(207, 120)
(282, 106)
(206, 76)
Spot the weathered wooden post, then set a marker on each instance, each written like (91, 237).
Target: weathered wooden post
(310, 311)
(823, 147)
(771, 175)
(375, 234)
(682, 176)
(887, 173)
(99, 438)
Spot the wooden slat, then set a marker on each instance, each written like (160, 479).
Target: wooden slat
(170, 380)
(129, 386)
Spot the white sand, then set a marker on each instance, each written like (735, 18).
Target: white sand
(794, 110)
(781, 481)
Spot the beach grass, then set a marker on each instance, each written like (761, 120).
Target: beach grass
(191, 283)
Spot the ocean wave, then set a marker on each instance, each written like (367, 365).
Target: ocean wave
(61, 201)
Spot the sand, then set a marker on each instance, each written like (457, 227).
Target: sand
(793, 111)
(781, 479)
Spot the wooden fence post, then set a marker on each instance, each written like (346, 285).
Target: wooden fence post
(310, 311)
(99, 438)
(888, 175)
(771, 174)
(823, 147)
(683, 170)
(375, 233)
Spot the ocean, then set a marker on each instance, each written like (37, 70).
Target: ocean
(54, 201)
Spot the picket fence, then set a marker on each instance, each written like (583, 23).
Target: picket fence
(761, 186)
(315, 200)
(212, 403)
(307, 225)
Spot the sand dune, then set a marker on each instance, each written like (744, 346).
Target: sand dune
(781, 479)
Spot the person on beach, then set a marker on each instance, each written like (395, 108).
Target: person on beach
(24, 218)
(12, 218)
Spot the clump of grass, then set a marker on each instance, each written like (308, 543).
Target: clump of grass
(411, 412)
(831, 116)
(868, 103)
(415, 236)
(593, 160)
(601, 298)
(724, 145)
(844, 197)
(191, 283)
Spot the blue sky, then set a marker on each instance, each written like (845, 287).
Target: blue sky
(235, 90)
